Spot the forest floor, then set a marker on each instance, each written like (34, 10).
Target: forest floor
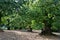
(21, 35)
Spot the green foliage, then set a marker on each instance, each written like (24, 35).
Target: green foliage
(30, 12)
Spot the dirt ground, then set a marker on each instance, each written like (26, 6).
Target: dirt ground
(20, 35)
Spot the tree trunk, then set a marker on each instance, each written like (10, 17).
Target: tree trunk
(8, 28)
(8, 24)
(47, 28)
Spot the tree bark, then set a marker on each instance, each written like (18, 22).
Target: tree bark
(47, 28)
(8, 28)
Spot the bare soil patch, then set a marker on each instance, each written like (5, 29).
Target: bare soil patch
(20, 35)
